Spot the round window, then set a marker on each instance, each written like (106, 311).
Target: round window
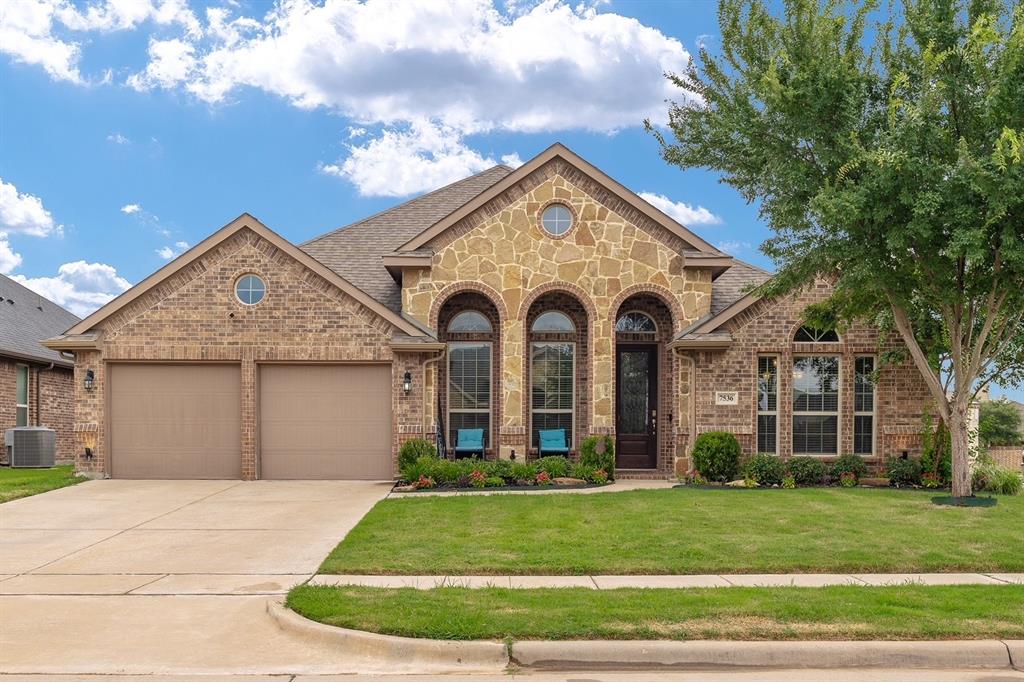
(557, 219)
(250, 289)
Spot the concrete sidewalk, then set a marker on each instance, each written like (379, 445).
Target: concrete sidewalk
(610, 582)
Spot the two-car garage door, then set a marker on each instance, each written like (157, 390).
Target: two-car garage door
(314, 421)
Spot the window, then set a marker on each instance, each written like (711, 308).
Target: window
(816, 405)
(469, 321)
(812, 335)
(250, 289)
(552, 321)
(21, 395)
(864, 406)
(767, 404)
(469, 389)
(635, 322)
(552, 380)
(557, 219)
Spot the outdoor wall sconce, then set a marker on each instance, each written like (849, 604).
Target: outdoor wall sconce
(407, 382)
(89, 376)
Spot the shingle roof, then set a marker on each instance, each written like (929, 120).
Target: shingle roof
(355, 251)
(26, 318)
(732, 284)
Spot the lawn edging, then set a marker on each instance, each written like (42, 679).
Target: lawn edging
(433, 655)
(419, 655)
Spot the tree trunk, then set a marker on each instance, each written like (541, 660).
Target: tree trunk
(961, 451)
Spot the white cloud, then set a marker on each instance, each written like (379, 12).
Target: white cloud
(416, 159)
(32, 31)
(25, 213)
(8, 258)
(465, 64)
(128, 209)
(684, 213)
(169, 252)
(79, 286)
(170, 63)
(118, 138)
(732, 246)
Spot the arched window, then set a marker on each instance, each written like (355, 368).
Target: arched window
(470, 321)
(553, 321)
(813, 335)
(634, 322)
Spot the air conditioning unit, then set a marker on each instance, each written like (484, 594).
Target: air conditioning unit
(31, 446)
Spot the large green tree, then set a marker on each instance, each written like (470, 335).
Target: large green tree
(999, 423)
(884, 147)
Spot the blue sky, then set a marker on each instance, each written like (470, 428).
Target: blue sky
(131, 129)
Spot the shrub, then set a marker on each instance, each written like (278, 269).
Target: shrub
(716, 455)
(555, 466)
(765, 469)
(847, 479)
(582, 471)
(600, 477)
(522, 471)
(849, 464)
(995, 479)
(788, 482)
(904, 472)
(807, 471)
(422, 467)
(590, 457)
(412, 450)
(494, 482)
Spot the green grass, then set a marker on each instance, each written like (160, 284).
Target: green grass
(683, 530)
(15, 483)
(838, 613)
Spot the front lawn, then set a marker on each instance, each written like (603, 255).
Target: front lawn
(836, 613)
(15, 483)
(683, 530)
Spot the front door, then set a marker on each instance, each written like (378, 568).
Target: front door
(636, 407)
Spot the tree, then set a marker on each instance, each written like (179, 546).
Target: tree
(999, 423)
(888, 161)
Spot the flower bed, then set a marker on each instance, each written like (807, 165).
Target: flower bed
(430, 472)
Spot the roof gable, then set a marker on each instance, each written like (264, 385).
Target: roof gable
(560, 152)
(245, 221)
(26, 319)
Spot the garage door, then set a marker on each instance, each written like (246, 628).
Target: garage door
(175, 421)
(325, 421)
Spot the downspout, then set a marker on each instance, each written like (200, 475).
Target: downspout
(423, 424)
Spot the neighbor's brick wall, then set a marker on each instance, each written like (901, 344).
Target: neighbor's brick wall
(194, 316)
(55, 390)
(1009, 456)
(767, 328)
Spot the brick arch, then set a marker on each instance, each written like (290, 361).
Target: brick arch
(456, 288)
(664, 295)
(579, 294)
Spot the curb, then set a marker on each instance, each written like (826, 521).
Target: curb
(727, 654)
(421, 655)
(433, 655)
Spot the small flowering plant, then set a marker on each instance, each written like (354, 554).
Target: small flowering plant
(425, 482)
(848, 479)
(788, 482)
(477, 479)
(931, 480)
(543, 478)
(600, 476)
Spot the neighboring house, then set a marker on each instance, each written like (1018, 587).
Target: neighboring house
(549, 296)
(35, 382)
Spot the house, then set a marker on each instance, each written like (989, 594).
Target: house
(548, 296)
(36, 385)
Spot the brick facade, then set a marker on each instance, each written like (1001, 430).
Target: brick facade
(51, 403)
(194, 316)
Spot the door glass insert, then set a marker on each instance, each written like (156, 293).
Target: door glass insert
(634, 388)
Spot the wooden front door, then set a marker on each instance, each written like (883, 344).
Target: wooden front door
(636, 407)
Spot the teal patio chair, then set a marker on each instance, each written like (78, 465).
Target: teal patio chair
(469, 442)
(552, 442)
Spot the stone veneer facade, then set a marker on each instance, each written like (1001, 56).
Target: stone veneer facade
(51, 403)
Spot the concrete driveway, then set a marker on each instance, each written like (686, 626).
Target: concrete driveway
(167, 576)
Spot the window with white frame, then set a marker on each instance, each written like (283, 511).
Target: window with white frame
(816, 405)
(552, 384)
(469, 388)
(21, 395)
(767, 404)
(864, 406)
